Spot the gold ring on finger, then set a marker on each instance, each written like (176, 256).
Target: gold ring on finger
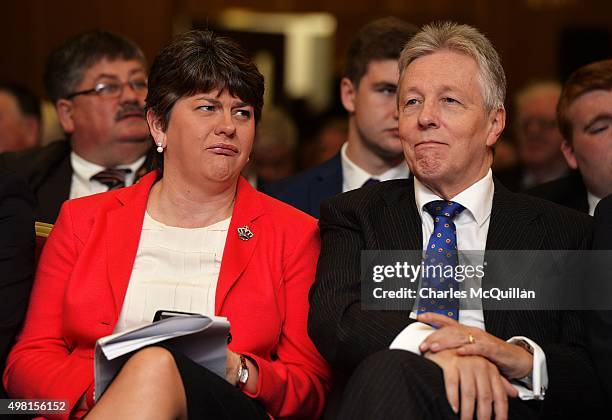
(471, 339)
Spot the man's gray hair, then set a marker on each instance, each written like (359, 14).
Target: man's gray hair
(466, 40)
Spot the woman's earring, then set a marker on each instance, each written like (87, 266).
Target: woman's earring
(160, 149)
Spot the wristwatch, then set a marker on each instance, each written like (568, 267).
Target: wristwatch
(524, 345)
(528, 379)
(243, 373)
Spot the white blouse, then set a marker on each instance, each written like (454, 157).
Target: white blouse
(175, 269)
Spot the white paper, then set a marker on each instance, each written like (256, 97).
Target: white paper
(201, 338)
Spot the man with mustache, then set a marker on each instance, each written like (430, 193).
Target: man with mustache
(98, 83)
(372, 151)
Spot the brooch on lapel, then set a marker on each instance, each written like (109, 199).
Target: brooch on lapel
(245, 233)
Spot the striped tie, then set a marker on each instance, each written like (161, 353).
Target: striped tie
(112, 178)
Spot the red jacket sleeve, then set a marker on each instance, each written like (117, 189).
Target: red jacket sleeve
(296, 383)
(41, 365)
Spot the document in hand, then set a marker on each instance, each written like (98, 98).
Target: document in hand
(201, 338)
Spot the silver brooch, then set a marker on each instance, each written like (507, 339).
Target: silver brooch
(245, 233)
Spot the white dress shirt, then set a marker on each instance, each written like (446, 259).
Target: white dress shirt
(354, 177)
(593, 201)
(472, 228)
(83, 170)
(175, 269)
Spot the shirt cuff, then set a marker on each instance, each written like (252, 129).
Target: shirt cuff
(534, 385)
(411, 337)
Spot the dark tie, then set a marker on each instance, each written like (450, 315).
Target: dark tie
(441, 252)
(371, 181)
(112, 178)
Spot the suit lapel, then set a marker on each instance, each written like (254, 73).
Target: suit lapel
(123, 229)
(238, 252)
(511, 228)
(396, 226)
(400, 227)
(511, 217)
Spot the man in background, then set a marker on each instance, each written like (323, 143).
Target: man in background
(98, 83)
(538, 138)
(372, 151)
(585, 120)
(274, 150)
(20, 121)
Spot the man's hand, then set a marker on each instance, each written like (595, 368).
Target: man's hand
(477, 382)
(514, 362)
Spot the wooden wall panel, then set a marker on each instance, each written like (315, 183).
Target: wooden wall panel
(524, 31)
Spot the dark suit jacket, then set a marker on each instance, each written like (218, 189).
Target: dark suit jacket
(16, 258)
(308, 190)
(600, 322)
(385, 217)
(568, 191)
(511, 178)
(48, 172)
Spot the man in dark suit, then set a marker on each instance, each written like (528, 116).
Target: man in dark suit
(600, 322)
(522, 364)
(98, 83)
(584, 114)
(16, 259)
(372, 151)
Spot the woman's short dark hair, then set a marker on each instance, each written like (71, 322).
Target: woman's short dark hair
(198, 62)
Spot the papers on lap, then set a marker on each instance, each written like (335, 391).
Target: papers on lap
(201, 338)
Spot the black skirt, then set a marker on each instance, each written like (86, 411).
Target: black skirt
(211, 397)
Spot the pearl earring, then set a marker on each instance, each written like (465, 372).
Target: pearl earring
(160, 149)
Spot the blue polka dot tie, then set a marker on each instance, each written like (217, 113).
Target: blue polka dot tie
(441, 251)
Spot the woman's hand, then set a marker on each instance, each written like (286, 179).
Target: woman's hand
(513, 361)
(232, 366)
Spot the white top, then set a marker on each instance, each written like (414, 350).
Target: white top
(83, 170)
(354, 177)
(472, 228)
(175, 269)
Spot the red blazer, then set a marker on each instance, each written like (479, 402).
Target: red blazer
(262, 289)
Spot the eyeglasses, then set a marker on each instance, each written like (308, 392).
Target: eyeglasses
(113, 89)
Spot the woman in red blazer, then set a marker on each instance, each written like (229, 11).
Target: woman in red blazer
(204, 99)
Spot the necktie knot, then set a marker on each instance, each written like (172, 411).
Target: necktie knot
(442, 208)
(111, 177)
(371, 181)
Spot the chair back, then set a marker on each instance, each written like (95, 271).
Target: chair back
(42, 232)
